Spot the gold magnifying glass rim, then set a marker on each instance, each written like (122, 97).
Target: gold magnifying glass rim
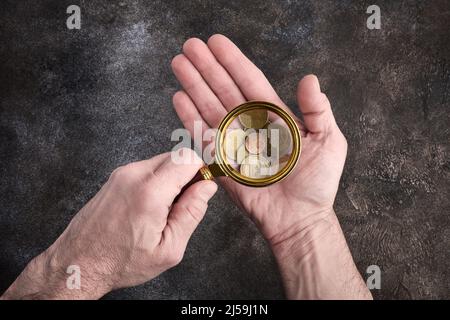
(229, 171)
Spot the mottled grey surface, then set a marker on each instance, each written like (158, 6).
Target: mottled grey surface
(77, 104)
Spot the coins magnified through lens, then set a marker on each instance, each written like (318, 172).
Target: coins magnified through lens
(258, 143)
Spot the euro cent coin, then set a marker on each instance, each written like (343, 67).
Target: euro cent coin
(241, 154)
(255, 167)
(255, 119)
(256, 142)
(234, 138)
(280, 138)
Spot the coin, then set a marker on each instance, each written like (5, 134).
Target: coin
(241, 154)
(256, 142)
(277, 164)
(233, 140)
(280, 138)
(255, 119)
(253, 166)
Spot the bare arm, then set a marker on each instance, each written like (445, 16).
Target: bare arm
(130, 232)
(315, 261)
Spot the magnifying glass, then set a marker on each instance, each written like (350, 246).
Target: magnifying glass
(257, 144)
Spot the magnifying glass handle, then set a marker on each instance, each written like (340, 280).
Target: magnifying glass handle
(202, 174)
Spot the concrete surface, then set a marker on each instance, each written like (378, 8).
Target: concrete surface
(77, 104)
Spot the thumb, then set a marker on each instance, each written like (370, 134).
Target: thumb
(187, 213)
(314, 106)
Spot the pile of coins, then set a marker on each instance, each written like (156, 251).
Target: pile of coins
(258, 148)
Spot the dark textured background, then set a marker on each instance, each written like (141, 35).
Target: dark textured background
(77, 104)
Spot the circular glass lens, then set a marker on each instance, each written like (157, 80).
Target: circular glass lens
(258, 144)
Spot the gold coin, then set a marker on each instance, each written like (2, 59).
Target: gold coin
(233, 140)
(255, 167)
(255, 119)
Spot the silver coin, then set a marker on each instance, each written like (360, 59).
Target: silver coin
(255, 167)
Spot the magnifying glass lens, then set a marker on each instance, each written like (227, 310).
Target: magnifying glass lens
(257, 144)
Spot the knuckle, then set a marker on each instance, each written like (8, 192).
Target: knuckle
(211, 107)
(314, 102)
(344, 142)
(121, 173)
(338, 139)
(195, 210)
(188, 155)
(224, 90)
(187, 152)
(125, 174)
(175, 258)
(249, 82)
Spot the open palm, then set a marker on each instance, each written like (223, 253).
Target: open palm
(216, 77)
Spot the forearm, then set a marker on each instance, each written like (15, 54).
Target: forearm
(44, 279)
(315, 262)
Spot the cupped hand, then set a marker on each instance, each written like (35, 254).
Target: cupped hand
(216, 77)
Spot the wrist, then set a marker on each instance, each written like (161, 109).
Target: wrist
(45, 278)
(303, 236)
(315, 261)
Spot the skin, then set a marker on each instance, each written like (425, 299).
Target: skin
(134, 229)
(129, 233)
(296, 216)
